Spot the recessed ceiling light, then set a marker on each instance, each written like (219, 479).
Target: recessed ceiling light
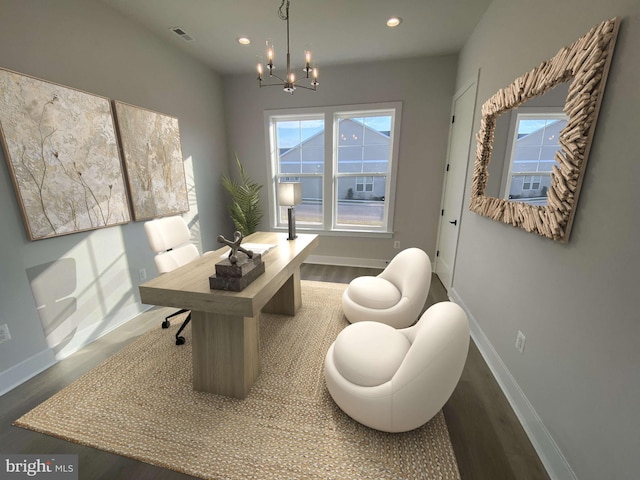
(394, 22)
(244, 40)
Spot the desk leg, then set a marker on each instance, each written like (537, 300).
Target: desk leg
(287, 300)
(226, 353)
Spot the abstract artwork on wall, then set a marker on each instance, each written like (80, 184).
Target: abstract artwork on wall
(153, 161)
(62, 154)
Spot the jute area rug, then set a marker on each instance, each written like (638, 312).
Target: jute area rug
(140, 404)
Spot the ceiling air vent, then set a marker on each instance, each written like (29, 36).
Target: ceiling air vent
(182, 34)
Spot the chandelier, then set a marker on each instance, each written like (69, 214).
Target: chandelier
(289, 83)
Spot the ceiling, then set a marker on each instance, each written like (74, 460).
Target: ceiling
(336, 31)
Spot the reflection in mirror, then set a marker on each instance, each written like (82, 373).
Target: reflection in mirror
(535, 143)
(524, 148)
(584, 66)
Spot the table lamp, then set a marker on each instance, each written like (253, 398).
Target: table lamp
(289, 195)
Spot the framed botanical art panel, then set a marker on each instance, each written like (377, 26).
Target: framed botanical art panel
(152, 154)
(61, 150)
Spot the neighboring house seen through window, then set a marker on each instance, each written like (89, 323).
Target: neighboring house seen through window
(533, 156)
(345, 160)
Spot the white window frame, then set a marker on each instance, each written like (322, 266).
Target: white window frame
(330, 175)
(275, 176)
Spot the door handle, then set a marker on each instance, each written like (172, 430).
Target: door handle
(454, 222)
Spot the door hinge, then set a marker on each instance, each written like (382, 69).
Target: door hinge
(453, 119)
(448, 167)
(442, 212)
(437, 253)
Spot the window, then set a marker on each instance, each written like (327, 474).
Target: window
(531, 182)
(345, 161)
(299, 143)
(533, 156)
(364, 184)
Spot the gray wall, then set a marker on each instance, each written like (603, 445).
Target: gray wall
(424, 85)
(578, 303)
(88, 46)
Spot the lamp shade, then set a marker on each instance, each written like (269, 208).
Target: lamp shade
(289, 194)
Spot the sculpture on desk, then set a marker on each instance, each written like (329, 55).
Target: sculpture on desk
(236, 272)
(235, 247)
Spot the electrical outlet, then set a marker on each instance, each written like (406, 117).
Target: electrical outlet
(4, 333)
(396, 244)
(520, 339)
(142, 274)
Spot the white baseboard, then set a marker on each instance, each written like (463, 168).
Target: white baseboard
(552, 458)
(25, 370)
(347, 261)
(29, 368)
(351, 262)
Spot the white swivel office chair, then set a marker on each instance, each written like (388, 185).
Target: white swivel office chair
(397, 380)
(396, 297)
(170, 239)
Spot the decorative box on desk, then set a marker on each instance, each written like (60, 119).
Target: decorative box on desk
(238, 270)
(236, 276)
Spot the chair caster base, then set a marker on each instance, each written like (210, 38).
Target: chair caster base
(180, 340)
(166, 324)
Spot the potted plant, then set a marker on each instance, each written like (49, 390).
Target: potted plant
(244, 208)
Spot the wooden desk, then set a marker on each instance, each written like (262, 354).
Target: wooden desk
(225, 328)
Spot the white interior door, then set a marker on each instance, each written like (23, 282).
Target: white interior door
(454, 181)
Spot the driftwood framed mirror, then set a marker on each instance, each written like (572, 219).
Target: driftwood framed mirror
(584, 66)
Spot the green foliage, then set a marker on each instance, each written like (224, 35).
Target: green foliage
(244, 207)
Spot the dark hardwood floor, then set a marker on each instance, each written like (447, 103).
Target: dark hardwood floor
(488, 440)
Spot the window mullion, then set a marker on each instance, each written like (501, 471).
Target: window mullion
(330, 166)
